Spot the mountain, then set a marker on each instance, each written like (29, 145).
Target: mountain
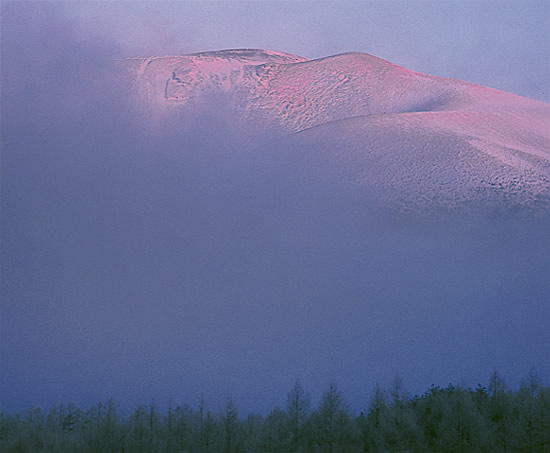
(407, 139)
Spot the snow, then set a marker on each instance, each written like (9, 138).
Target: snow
(396, 132)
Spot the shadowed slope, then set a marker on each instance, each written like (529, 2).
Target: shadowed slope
(435, 159)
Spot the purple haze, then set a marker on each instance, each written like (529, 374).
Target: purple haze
(150, 267)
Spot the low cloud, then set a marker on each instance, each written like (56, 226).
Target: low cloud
(155, 263)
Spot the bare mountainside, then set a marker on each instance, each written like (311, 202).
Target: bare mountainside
(410, 139)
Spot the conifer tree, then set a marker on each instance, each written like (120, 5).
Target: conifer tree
(297, 411)
(336, 431)
(230, 426)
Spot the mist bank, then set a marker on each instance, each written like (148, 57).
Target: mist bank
(190, 258)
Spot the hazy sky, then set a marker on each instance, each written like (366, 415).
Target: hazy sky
(150, 267)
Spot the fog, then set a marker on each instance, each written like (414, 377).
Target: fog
(151, 264)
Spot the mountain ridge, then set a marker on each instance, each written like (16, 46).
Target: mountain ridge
(359, 97)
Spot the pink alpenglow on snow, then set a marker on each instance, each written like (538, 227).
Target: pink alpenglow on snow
(409, 139)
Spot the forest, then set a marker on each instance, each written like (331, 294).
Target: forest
(489, 418)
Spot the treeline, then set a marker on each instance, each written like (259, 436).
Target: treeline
(450, 419)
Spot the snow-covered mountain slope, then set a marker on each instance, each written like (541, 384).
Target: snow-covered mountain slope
(184, 81)
(410, 138)
(435, 160)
